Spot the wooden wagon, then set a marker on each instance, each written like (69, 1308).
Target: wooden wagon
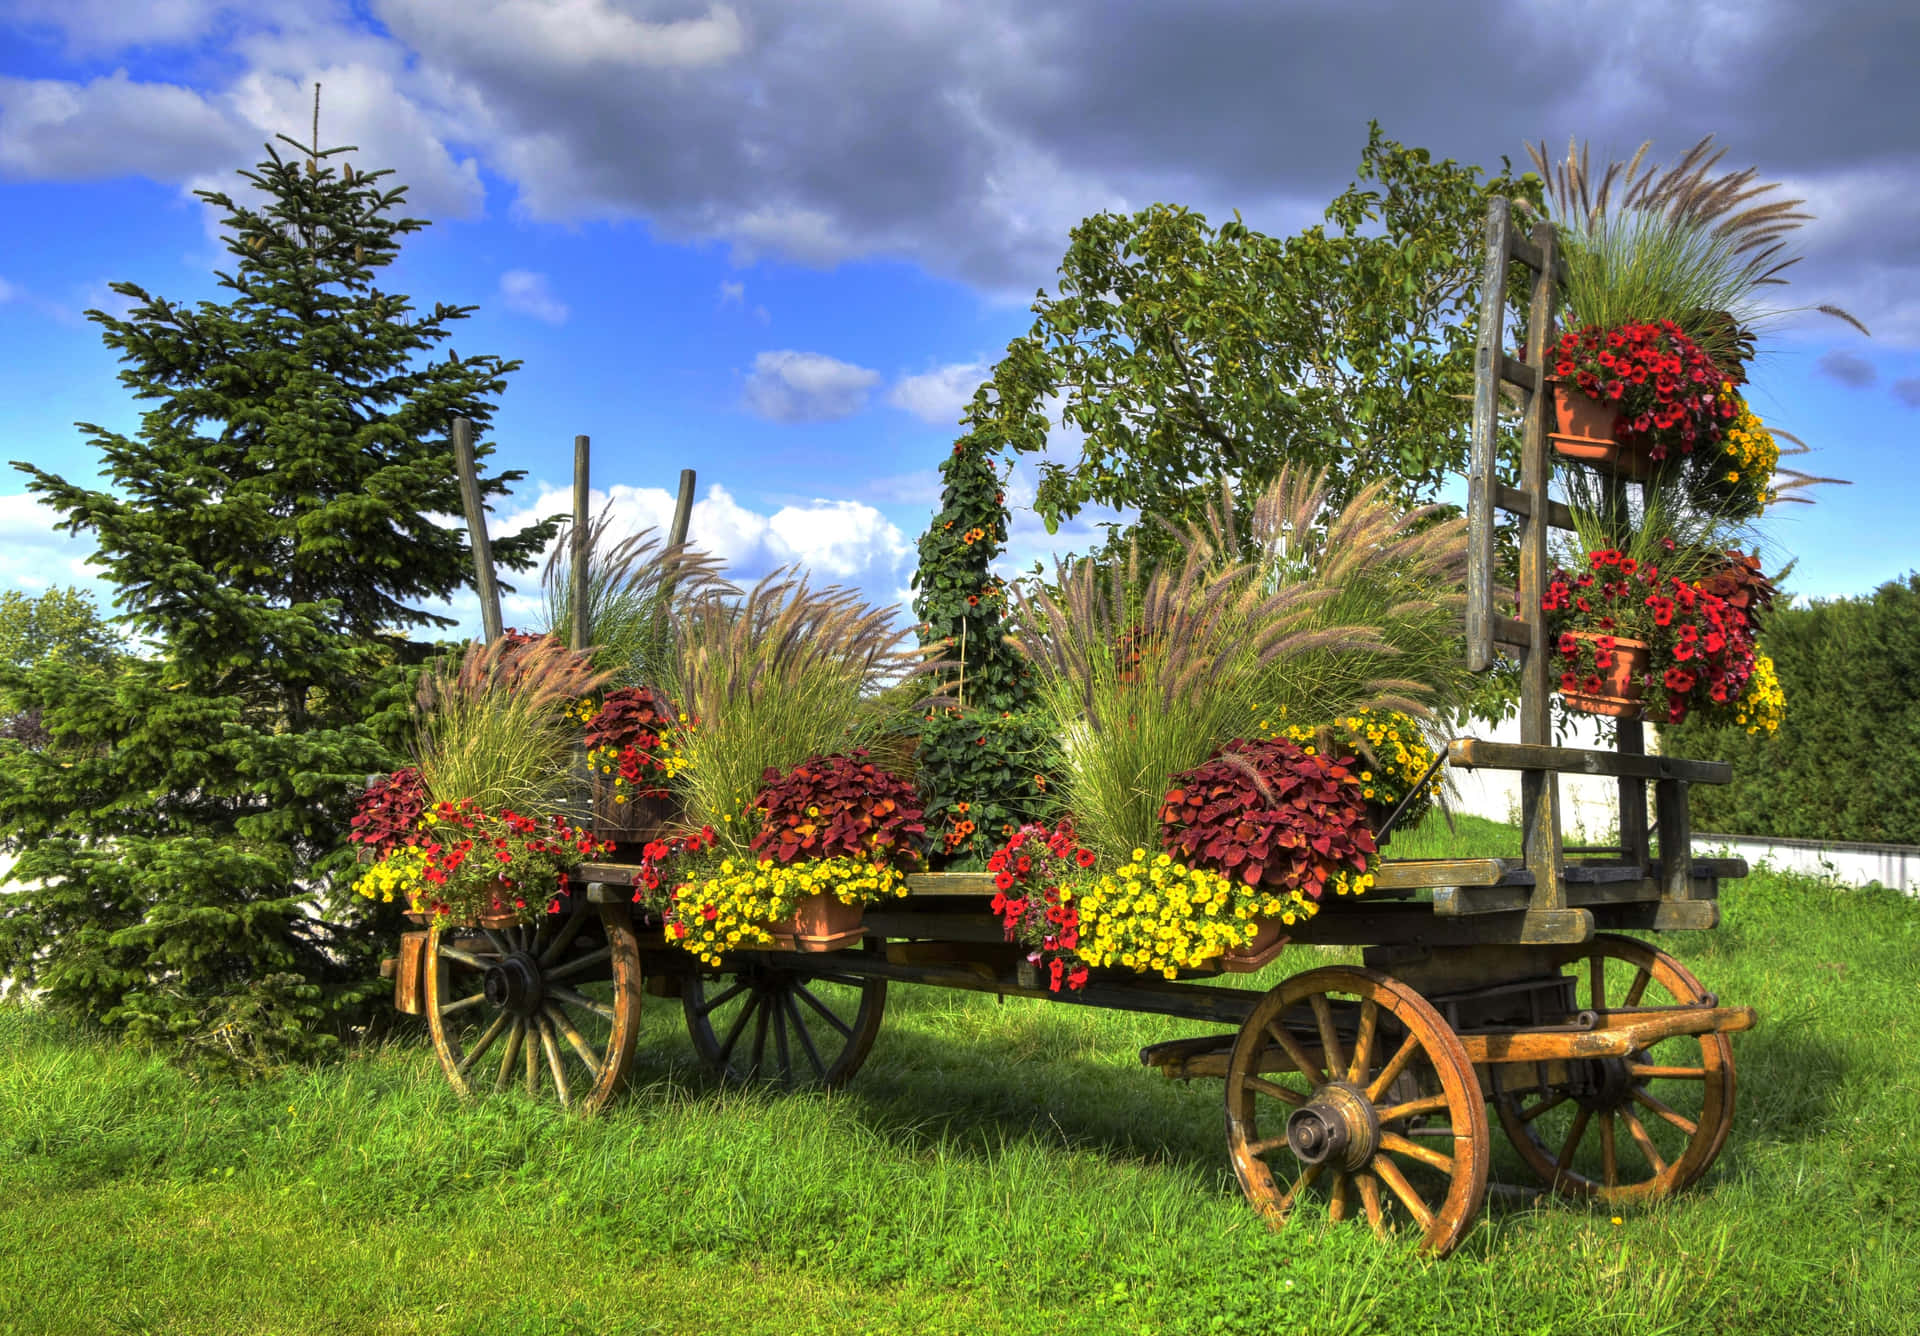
(1493, 989)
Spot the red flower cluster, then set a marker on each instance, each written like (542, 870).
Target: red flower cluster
(1034, 905)
(478, 862)
(1665, 388)
(387, 817)
(631, 723)
(650, 881)
(1701, 646)
(1269, 814)
(830, 806)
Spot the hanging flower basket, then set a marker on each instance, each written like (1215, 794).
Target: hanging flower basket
(1615, 690)
(1587, 432)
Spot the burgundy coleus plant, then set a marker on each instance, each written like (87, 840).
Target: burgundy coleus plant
(1268, 813)
(388, 815)
(839, 806)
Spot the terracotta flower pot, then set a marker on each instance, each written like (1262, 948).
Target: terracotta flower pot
(1587, 430)
(1269, 940)
(820, 922)
(1619, 694)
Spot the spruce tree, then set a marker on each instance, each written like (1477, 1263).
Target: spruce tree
(271, 534)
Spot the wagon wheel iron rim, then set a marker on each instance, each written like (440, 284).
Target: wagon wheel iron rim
(1622, 1130)
(551, 1007)
(772, 1023)
(1345, 1083)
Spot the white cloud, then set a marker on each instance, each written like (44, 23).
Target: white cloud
(34, 557)
(109, 25)
(788, 386)
(937, 396)
(835, 541)
(529, 294)
(732, 294)
(10, 292)
(61, 131)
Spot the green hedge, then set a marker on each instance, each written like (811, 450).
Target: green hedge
(1845, 764)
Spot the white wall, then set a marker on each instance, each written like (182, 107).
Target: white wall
(1894, 865)
(1591, 805)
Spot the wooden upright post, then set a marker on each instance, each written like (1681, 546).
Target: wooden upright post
(577, 557)
(682, 510)
(470, 500)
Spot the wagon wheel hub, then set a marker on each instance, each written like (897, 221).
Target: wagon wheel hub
(1337, 1125)
(1601, 1084)
(514, 984)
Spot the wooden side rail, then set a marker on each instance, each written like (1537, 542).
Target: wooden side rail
(1475, 754)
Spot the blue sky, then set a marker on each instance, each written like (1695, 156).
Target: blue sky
(780, 242)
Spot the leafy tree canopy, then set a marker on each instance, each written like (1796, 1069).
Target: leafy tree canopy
(1183, 352)
(60, 625)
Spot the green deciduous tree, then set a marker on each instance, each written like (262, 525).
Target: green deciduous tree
(270, 533)
(1184, 352)
(60, 625)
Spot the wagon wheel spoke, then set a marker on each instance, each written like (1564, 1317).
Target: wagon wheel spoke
(1307, 1178)
(1546, 1105)
(1580, 1121)
(551, 1048)
(1274, 1090)
(720, 999)
(1335, 1060)
(1649, 1072)
(739, 1024)
(514, 1040)
(1297, 1055)
(759, 1035)
(569, 931)
(484, 1042)
(1609, 1153)
(1340, 1196)
(1393, 1113)
(531, 1051)
(500, 945)
(1363, 1050)
(580, 964)
(581, 1000)
(806, 995)
(780, 1045)
(1644, 1141)
(1413, 1150)
(1666, 1111)
(463, 1004)
(1641, 979)
(466, 958)
(1395, 1065)
(1389, 1173)
(588, 1058)
(1370, 1199)
(806, 1040)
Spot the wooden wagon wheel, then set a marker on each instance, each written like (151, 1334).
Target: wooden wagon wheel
(1347, 1079)
(552, 1005)
(1623, 1129)
(789, 1027)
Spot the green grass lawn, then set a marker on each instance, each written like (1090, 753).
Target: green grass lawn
(997, 1167)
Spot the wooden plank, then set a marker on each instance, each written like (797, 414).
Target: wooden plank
(475, 505)
(1616, 1036)
(1417, 925)
(895, 920)
(1676, 837)
(1696, 915)
(1513, 632)
(1517, 501)
(1475, 753)
(1516, 372)
(950, 883)
(1630, 737)
(1484, 458)
(577, 554)
(1527, 252)
(1418, 873)
(1539, 789)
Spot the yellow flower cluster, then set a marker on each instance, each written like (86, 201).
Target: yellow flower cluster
(1752, 453)
(1156, 914)
(670, 759)
(1402, 754)
(1763, 705)
(397, 874)
(731, 909)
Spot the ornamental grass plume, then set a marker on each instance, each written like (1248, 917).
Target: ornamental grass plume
(633, 587)
(1681, 243)
(1311, 612)
(496, 726)
(780, 674)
